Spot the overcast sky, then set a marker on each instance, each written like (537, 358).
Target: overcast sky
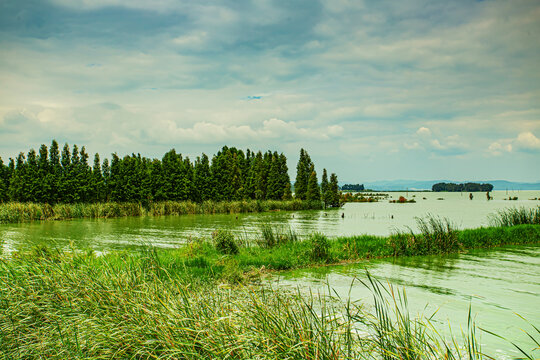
(410, 89)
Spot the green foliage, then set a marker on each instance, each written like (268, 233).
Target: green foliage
(304, 169)
(313, 190)
(225, 242)
(333, 189)
(320, 247)
(162, 304)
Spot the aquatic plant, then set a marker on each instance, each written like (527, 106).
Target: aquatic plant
(437, 235)
(20, 212)
(320, 247)
(276, 235)
(516, 216)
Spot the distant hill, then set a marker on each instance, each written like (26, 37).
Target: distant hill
(395, 185)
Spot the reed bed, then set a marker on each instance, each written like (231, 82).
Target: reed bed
(516, 216)
(139, 305)
(437, 236)
(20, 212)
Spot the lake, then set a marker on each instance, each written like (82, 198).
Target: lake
(379, 218)
(495, 283)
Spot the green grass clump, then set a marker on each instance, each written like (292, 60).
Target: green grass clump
(516, 216)
(320, 247)
(225, 242)
(144, 305)
(272, 236)
(436, 236)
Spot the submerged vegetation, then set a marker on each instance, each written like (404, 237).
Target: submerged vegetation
(19, 212)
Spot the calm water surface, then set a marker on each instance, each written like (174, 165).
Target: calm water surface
(497, 284)
(380, 218)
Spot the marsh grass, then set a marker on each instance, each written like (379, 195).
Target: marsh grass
(19, 212)
(437, 235)
(143, 305)
(516, 216)
(272, 236)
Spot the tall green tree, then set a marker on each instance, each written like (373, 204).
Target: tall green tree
(333, 190)
(4, 185)
(313, 190)
(55, 172)
(303, 173)
(202, 179)
(325, 189)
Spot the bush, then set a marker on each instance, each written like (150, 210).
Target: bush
(224, 242)
(320, 247)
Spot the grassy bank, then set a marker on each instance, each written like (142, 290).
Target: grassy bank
(146, 306)
(20, 212)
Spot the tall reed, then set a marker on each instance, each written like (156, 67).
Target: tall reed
(516, 216)
(76, 305)
(20, 212)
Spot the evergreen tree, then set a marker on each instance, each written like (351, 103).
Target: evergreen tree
(31, 178)
(64, 184)
(203, 179)
(274, 186)
(97, 183)
(16, 185)
(106, 171)
(313, 190)
(55, 172)
(303, 174)
(325, 189)
(333, 189)
(3, 181)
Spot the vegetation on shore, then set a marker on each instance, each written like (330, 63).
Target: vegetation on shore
(164, 304)
(52, 176)
(19, 212)
(177, 303)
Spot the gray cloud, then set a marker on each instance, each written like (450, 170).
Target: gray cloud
(339, 77)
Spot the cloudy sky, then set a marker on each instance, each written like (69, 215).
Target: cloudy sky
(411, 89)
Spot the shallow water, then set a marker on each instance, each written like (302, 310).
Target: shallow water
(380, 218)
(497, 284)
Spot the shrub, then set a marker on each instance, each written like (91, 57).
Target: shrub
(224, 242)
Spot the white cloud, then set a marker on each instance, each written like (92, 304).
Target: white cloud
(423, 131)
(527, 141)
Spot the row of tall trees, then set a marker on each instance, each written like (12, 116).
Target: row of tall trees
(54, 176)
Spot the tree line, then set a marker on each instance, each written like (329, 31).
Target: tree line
(53, 176)
(467, 187)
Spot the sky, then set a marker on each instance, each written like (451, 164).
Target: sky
(373, 90)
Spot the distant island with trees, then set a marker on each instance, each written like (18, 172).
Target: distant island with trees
(467, 187)
(351, 187)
